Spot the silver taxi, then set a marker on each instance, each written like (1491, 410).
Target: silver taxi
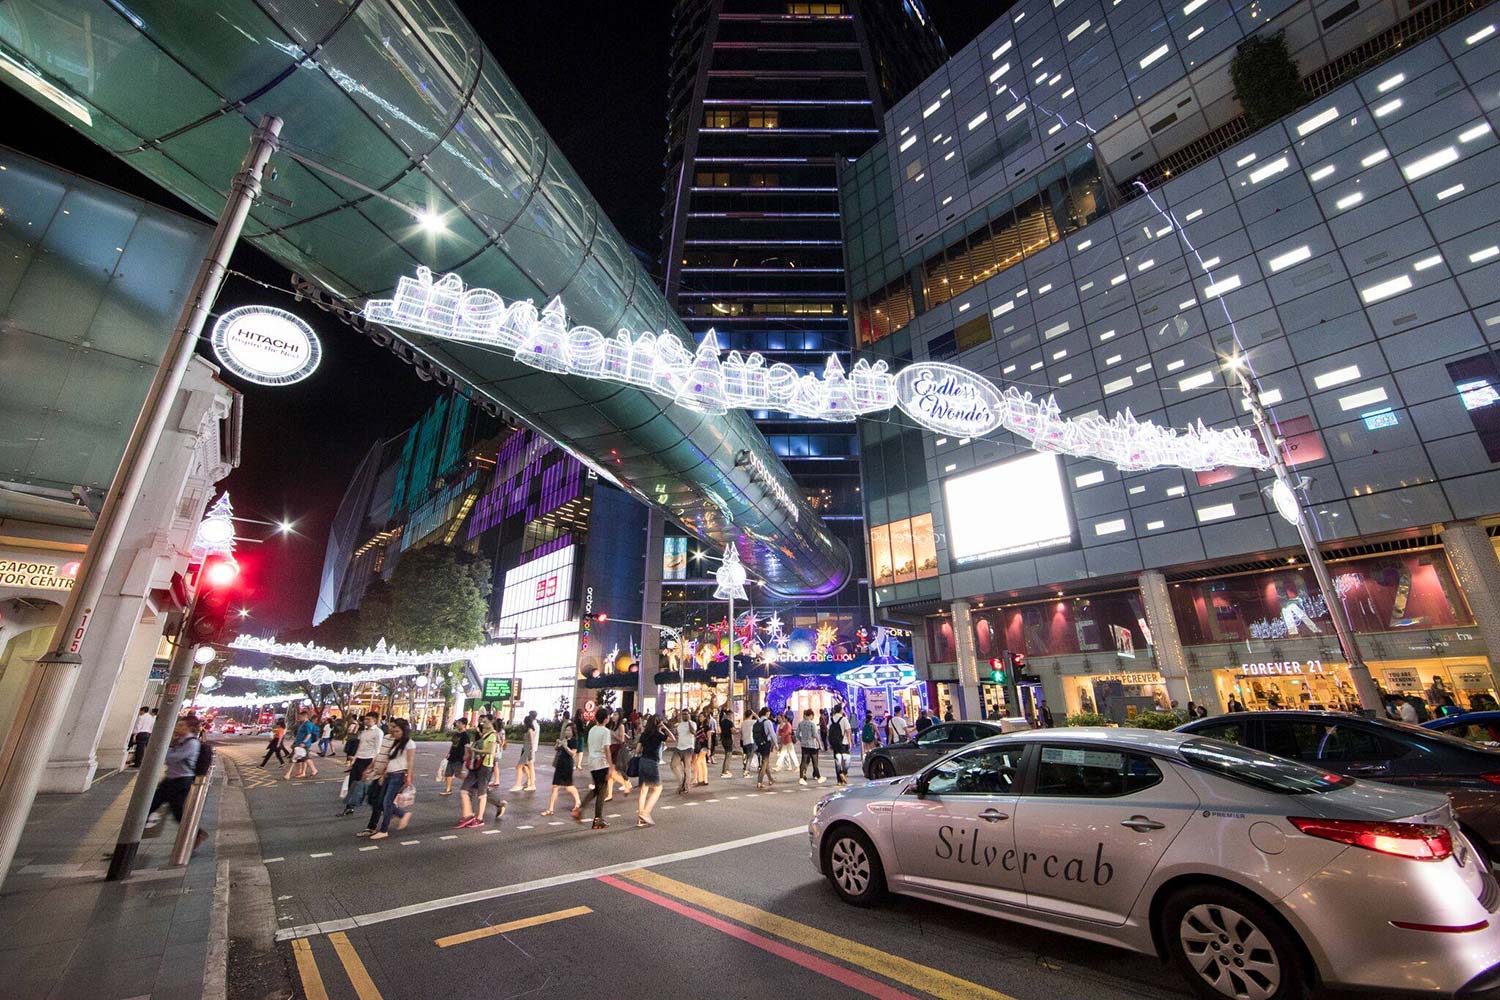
(1257, 877)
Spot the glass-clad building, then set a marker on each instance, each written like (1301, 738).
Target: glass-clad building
(765, 97)
(1075, 205)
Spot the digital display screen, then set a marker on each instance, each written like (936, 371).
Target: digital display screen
(1015, 508)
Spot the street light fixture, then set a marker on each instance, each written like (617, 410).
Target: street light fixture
(204, 655)
(1283, 493)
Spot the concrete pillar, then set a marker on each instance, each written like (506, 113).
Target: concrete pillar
(157, 542)
(651, 606)
(130, 692)
(1166, 643)
(1478, 571)
(968, 666)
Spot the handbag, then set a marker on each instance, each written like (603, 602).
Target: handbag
(633, 768)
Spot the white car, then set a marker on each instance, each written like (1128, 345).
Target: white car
(1259, 878)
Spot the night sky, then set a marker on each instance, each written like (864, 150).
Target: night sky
(595, 73)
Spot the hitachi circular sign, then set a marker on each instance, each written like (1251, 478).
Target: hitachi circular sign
(265, 345)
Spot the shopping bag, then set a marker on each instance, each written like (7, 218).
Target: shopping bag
(406, 797)
(344, 786)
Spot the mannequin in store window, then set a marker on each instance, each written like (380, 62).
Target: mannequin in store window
(1437, 691)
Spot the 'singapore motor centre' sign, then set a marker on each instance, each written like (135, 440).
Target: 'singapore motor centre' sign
(942, 397)
(29, 574)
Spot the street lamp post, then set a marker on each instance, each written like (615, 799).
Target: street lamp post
(1289, 505)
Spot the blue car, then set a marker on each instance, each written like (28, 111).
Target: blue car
(1479, 727)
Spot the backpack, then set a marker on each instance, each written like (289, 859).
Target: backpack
(205, 760)
(765, 731)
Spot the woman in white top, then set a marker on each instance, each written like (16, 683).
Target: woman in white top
(395, 765)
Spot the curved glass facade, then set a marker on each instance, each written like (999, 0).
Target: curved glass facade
(404, 98)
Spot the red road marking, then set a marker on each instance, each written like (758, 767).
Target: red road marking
(850, 978)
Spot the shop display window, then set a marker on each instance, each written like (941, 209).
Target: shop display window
(1105, 623)
(903, 551)
(1380, 594)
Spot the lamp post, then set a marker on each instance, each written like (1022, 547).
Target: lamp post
(1289, 506)
(731, 584)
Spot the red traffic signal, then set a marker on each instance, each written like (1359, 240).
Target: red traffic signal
(216, 590)
(601, 617)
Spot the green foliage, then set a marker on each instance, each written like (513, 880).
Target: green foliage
(436, 598)
(1156, 720)
(1265, 80)
(1087, 719)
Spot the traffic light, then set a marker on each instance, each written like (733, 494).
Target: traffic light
(216, 590)
(998, 673)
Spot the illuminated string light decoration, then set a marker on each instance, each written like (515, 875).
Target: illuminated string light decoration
(240, 700)
(730, 577)
(943, 398)
(827, 635)
(380, 655)
(319, 675)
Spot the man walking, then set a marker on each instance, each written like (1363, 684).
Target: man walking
(765, 746)
(598, 764)
(747, 741)
(896, 728)
(726, 737)
(278, 734)
(182, 768)
(808, 740)
(144, 723)
(839, 733)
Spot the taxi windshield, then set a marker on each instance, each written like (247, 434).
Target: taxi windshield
(1260, 770)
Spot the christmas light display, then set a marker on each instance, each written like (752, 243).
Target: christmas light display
(215, 534)
(319, 675)
(380, 655)
(730, 577)
(941, 397)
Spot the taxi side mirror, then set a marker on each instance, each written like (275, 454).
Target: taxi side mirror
(921, 786)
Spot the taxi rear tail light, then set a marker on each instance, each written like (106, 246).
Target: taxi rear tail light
(1417, 841)
(1493, 777)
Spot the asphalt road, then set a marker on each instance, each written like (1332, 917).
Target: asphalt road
(718, 900)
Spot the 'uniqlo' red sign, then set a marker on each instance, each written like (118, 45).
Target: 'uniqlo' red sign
(546, 587)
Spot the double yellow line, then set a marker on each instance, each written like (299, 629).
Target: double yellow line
(359, 976)
(312, 979)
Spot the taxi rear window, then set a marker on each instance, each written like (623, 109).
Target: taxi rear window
(1259, 770)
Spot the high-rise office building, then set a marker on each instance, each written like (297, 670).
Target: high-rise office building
(765, 98)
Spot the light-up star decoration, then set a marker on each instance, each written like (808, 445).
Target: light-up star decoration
(943, 398)
(828, 634)
(731, 578)
(215, 534)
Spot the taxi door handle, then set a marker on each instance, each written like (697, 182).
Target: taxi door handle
(993, 816)
(1140, 824)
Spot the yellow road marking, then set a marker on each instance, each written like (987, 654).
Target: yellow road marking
(919, 977)
(364, 986)
(514, 925)
(307, 968)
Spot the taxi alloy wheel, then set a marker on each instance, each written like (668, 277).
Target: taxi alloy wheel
(1228, 945)
(881, 768)
(853, 867)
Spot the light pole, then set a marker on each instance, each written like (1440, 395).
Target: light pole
(57, 670)
(731, 584)
(1289, 506)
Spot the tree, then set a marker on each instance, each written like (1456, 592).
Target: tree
(1265, 80)
(437, 598)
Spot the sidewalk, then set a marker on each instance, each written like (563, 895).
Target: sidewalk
(66, 933)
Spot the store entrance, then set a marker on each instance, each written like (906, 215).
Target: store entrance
(816, 699)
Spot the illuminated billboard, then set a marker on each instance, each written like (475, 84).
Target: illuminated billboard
(1015, 508)
(539, 593)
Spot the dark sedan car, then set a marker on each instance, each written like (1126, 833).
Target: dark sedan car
(1380, 750)
(1476, 727)
(925, 748)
